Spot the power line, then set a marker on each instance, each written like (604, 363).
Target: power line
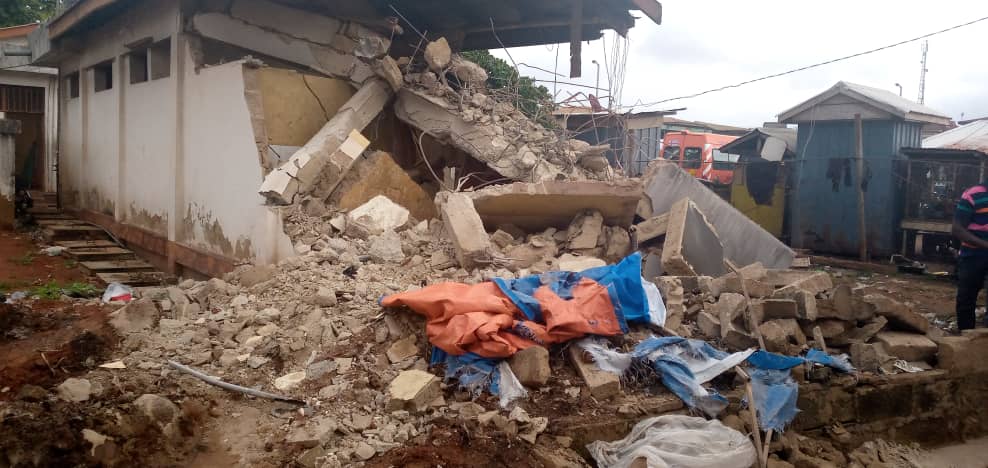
(815, 65)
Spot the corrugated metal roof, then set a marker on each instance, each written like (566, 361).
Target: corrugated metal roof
(970, 137)
(891, 99)
(875, 97)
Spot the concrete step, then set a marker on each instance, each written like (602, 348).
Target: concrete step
(39, 210)
(87, 254)
(58, 232)
(137, 265)
(61, 222)
(84, 244)
(138, 278)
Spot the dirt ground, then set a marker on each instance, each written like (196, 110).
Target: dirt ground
(23, 266)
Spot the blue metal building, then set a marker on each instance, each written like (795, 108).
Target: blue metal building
(824, 199)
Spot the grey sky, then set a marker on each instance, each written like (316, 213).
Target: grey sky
(707, 44)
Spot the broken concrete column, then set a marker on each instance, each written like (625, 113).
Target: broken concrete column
(672, 293)
(651, 228)
(691, 246)
(329, 154)
(466, 230)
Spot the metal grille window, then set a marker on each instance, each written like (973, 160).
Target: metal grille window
(24, 99)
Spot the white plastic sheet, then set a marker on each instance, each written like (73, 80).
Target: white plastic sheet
(656, 306)
(509, 388)
(677, 441)
(118, 292)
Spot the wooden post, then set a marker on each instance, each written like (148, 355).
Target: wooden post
(576, 39)
(756, 432)
(859, 155)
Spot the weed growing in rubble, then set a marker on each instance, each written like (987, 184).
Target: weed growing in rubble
(53, 290)
(24, 260)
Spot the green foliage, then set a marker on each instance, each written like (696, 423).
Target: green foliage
(53, 290)
(24, 260)
(18, 12)
(534, 100)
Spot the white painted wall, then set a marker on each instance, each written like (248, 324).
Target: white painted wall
(221, 168)
(177, 155)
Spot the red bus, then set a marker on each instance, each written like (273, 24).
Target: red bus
(698, 154)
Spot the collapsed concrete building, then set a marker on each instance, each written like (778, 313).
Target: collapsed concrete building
(186, 127)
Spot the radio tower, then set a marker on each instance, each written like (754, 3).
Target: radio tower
(922, 72)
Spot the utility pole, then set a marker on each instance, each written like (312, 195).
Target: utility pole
(922, 72)
(859, 155)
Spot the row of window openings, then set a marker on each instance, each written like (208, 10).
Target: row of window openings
(152, 62)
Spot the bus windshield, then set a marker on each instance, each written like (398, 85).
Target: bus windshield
(692, 158)
(671, 152)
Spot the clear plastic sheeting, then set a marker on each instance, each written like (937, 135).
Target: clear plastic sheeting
(677, 441)
(509, 389)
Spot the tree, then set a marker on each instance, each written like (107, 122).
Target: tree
(533, 100)
(17, 12)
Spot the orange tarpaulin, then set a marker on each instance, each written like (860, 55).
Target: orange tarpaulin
(481, 319)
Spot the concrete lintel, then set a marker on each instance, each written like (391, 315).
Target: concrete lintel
(323, 59)
(651, 228)
(536, 206)
(337, 144)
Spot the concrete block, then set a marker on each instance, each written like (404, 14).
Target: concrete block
(805, 300)
(617, 244)
(534, 207)
(378, 215)
(735, 339)
(744, 242)
(708, 324)
(438, 55)
(864, 357)
(691, 246)
(908, 346)
(729, 309)
(831, 328)
(755, 287)
(413, 390)
(584, 231)
(602, 384)
(899, 315)
(402, 349)
(466, 230)
(815, 283)
(841, 304)
(779, 309)
(962, 354)
(531, 366)
(378, 174)
(570, 262)
(782, 336)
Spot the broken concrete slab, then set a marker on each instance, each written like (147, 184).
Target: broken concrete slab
(861, 334)
(584, 230)
(691, 247)
(617, 243)
(729, 309)
(137, 315)
(531, 366)
(899, 315)
(744, 242)
(486, 143)
(804, 299)
(328, 155)
(957, 353)
(402, 349)
(907, 346)
(534, 207)
(413, 390)
(865, 357)
(465, 228)
(602, 384)
(378, 174)
(378, 215)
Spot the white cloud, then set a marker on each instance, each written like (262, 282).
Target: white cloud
(707, 44)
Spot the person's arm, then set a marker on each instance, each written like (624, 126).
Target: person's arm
(962, 218)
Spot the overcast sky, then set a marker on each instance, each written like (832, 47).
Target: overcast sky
(704, 44)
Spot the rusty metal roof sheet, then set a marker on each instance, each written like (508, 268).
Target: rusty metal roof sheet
(970, 137)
